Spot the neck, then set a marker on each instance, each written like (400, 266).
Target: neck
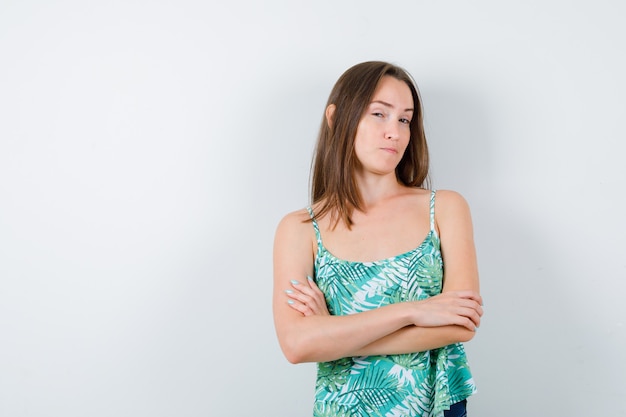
(374, 188)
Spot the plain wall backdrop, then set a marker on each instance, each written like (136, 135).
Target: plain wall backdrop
(149, 149)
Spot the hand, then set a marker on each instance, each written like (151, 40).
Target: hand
(461, 308)
(307, 298)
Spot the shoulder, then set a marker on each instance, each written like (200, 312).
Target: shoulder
(295, 240)
(450, 200)
(294, 223)
(451, 209)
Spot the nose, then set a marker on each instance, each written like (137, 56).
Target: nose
(392, 131)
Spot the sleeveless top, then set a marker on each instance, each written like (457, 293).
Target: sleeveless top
(414, 384)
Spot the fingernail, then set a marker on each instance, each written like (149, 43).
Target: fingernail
(289, 291)
(309, 278)
(294, 282)
(290, 301)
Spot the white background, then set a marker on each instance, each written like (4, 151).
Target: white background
(149, 148)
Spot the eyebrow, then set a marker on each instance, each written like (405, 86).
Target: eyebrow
(384, 103)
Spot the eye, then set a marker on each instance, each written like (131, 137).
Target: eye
(378, 114)
(405, 121)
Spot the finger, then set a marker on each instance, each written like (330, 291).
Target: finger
(465, 294)
(313, 284)
(295, 305)
(303, 287)
(298, 288)
(464, 322)
(470, 309)
(310, 291)
(314, 306)
(470, 303)
(473, 316)
(297, 295)
(473, 295)
(469, 324)
(309, 295)
(478, 299)
(297, 284)
(479, 309)
(301, 308)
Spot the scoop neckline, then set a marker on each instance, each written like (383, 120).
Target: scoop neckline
(424, 241)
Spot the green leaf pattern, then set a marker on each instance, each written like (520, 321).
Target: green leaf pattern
(415, 384)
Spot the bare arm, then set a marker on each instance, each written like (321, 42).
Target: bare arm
(454, 222)
(460, 277)
(408, 339)
(456, 233)
(416, 339)
(320, 337)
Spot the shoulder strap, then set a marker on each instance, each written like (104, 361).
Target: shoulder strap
(432, 211)
(318, 235)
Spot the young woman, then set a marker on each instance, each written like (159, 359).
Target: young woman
(359, 280)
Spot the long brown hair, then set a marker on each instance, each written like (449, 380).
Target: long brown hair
(333, 184)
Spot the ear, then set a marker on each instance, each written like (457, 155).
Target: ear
(330, 112)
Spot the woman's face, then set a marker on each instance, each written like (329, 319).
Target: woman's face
(384, 130)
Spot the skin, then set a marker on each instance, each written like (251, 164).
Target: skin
(395, 220)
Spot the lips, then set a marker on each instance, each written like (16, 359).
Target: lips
(390, 150)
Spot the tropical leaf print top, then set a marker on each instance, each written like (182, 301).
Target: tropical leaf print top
(415, 384)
